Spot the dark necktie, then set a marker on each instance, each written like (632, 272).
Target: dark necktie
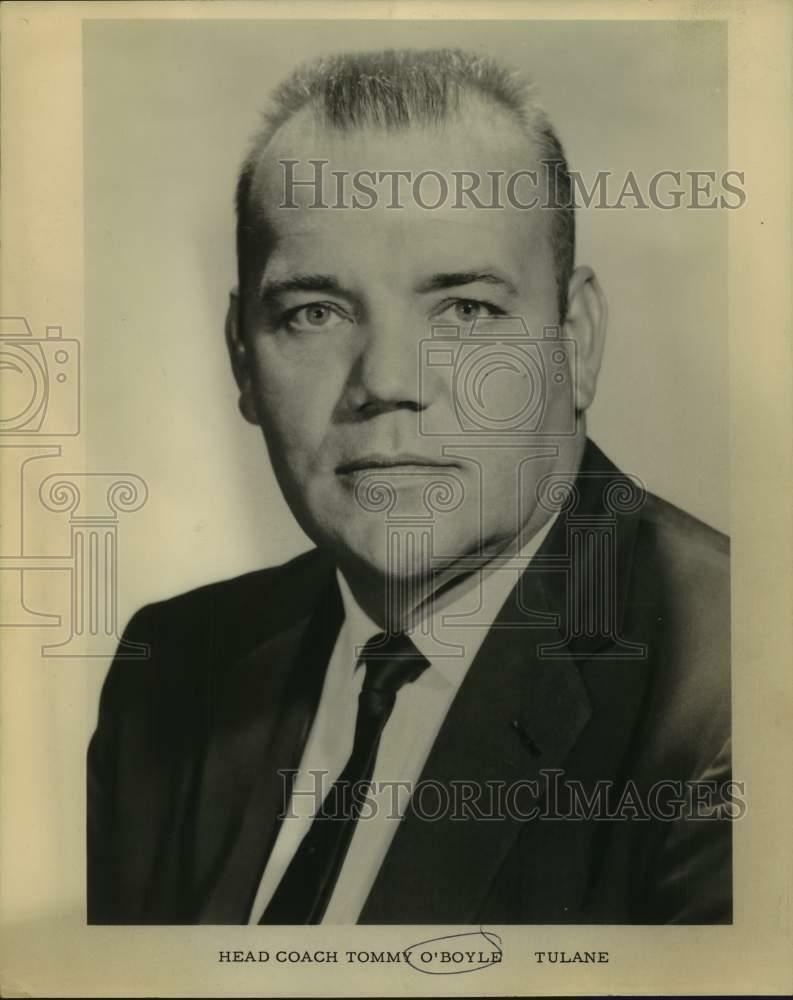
(304, 891)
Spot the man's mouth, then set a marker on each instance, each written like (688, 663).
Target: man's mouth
(383, 463)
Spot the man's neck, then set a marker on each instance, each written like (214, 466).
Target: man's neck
(398, 605)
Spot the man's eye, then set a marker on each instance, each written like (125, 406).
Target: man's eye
(316, 316)
(467, 310)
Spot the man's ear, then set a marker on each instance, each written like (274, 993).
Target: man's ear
(240, 362)
(585, 323)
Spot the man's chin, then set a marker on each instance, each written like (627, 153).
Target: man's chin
(402, 555)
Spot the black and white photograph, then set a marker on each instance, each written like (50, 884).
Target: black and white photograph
(402, 594)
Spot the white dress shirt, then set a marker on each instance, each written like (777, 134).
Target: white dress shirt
(449, 637)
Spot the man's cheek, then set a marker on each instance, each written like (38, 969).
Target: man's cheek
(302, 426)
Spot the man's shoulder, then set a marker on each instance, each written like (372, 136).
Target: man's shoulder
(171, 649)
(685, 563)
(688, 544)
(671, 526)
(682, 575)
(239, 610)
(676, 582)
(295, 574)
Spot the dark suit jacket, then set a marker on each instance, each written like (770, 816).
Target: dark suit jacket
(183, 790)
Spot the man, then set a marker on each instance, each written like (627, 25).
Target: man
(498, 689)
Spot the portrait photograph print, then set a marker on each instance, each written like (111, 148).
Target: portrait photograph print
(394, 467)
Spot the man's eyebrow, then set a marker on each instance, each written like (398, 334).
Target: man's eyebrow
(453, 279)
(269, 290)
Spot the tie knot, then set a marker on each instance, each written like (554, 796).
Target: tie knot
(391, 660)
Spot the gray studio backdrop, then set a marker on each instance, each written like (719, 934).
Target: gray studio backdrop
(169, 108)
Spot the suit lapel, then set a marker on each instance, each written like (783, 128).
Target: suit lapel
(264, 709)
(540, 692)
(512, 715)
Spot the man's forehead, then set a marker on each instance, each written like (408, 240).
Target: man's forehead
(476, 140)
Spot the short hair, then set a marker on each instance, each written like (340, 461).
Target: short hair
(394, 89)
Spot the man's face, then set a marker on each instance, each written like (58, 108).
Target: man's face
(335, 362)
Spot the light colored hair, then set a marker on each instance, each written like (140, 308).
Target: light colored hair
(397, 89)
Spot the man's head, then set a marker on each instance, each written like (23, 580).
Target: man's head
(395, 90)
(342, 297)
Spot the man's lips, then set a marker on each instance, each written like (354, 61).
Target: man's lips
(379, 462)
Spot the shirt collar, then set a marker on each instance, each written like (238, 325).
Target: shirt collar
(483, 593)
(358, 625)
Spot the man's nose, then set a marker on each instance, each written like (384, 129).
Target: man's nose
(386, 375)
